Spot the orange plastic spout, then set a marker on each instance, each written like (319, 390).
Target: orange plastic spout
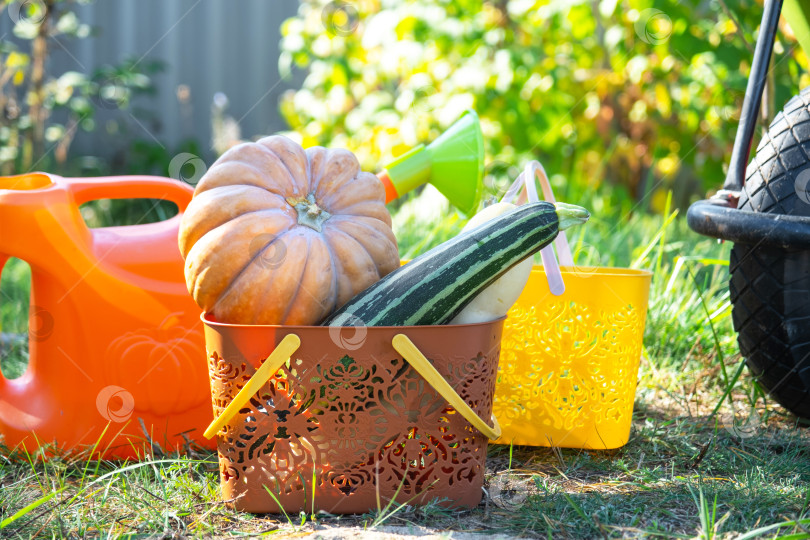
(390, 190)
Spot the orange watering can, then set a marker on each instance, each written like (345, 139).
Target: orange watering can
(116, 345)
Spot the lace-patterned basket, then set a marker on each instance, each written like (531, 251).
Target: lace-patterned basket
(569, 363)
(571, 346)
(354, 417)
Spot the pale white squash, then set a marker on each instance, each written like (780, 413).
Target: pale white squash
(496, 300)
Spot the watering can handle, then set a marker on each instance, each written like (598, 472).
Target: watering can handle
(422, 365)
(130, 187)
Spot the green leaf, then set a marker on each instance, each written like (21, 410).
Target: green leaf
(33, 506)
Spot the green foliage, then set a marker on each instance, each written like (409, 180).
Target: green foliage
(42, 111)
(15, 294)
(642, 94)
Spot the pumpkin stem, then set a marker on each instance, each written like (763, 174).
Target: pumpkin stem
(309, 213)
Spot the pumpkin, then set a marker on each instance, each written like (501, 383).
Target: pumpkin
(146, 361)
(276, 234)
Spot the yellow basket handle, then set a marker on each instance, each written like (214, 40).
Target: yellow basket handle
(401, 343)
(422, 365)
(273, 363)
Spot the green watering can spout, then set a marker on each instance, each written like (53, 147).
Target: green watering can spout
(453, 163)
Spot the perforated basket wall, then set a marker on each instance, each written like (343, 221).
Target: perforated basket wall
(569, 364)
(349, 422)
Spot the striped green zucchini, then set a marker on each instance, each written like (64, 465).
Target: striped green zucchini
(434, 287)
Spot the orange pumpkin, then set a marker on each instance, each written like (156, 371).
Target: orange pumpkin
(145, 362)
(279, 235)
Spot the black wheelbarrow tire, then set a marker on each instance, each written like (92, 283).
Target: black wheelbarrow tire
(770, 286)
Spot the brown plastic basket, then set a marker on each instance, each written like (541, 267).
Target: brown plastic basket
(350, 422)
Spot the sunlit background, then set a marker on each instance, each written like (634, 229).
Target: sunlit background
(630, 105)
(640, 96)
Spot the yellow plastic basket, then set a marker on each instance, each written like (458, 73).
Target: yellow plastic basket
(569, 364)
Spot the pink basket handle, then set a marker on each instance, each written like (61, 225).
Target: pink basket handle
(523, 189)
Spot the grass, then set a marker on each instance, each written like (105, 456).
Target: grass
(15, 285)
(709, 455)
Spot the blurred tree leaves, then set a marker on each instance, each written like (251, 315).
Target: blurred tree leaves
(40, 112)
(643, 95)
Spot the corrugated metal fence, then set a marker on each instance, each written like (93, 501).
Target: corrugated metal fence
(208, 46)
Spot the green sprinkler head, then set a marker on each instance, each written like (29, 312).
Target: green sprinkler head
(454, 163)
